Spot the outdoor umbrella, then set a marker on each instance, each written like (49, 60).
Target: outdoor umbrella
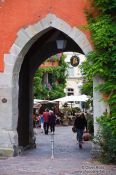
(73, 98)
(40, 101)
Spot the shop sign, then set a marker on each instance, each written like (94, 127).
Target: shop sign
(74, 61)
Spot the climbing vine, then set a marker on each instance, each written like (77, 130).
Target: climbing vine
(102, 62)
(55, 89)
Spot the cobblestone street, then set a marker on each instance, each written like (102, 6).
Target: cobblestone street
(68, 158)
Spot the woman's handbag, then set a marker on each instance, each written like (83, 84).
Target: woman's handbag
(74, 129)
(86, 136)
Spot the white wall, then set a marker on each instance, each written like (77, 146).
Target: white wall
(75, 79)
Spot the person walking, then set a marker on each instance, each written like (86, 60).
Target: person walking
(52, 121)
(42, 122)
(80, 124)
(46, 121)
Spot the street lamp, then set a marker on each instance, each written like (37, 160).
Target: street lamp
(61, 42)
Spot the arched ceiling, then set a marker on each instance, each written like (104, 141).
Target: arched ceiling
(46, 46)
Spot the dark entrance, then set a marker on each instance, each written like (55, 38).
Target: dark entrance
(42, 49)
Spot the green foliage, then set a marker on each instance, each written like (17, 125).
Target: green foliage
(102, 62)
(70, 110)
(103, 31)
(58, 81)
(90, 125)
(105, 6)
(107, 138)
(57, 91)
(86, 70)
(75, 110)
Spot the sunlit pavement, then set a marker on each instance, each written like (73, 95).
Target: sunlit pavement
(68, 159)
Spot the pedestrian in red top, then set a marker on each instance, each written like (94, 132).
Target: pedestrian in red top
(46, 121)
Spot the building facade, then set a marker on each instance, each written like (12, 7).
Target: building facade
(28, 31)
(74, 78)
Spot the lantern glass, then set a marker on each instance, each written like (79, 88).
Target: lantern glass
(61, 44)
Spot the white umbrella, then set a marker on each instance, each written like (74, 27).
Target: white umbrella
(40, 101)
(73, 98)
(52, 102)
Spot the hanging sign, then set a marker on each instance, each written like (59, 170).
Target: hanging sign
(74, 61)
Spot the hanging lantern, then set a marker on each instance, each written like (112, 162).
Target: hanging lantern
(61, 42)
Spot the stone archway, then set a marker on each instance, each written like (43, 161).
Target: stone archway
(13, 61)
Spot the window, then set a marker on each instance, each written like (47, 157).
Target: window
(70, 91)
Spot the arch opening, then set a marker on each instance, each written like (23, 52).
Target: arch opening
(32, 46)
(42, 49)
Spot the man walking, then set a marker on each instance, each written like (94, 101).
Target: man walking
(80, 124)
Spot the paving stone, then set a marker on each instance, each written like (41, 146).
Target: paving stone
(68, 158)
